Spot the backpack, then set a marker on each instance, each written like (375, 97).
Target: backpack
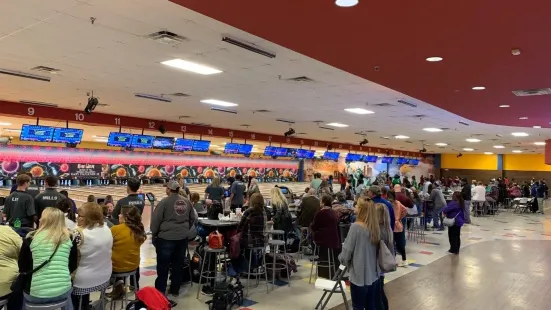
(226, 295)
(216, 240)
(214, 210)
(196, 261)
(293, 240)
(151, 298)
(235, 245)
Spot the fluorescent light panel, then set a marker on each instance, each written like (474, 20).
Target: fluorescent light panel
(468, 149)
(219, 103)
(434, 59)
(5, 124)
(441, 144)
(432, 129)
(190, 66)
(488, 153)
(539, 143)
(472, 140)
(517, 151)
(479, 88)
(499, 147)
(346, 3)
(337, 125)
(401, 137)
(520, 134)
(359, 111)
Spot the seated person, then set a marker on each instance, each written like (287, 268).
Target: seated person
(195, 201)
(106, 215)
(109, 203)
(340, 205)
(66, 194)
(282, 218)
(308, 208)
(324, 228)
(66, 207)
(10, 245)
(514, 191)
(128, 237)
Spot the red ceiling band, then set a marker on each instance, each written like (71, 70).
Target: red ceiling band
(74, 116)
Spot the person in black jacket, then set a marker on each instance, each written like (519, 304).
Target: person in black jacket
(133, 199)
(466, 195)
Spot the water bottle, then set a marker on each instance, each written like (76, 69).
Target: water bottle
(17, 223)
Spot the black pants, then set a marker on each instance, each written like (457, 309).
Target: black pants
(400, 242)
(343, 187)
(170, 254)
(454, 234)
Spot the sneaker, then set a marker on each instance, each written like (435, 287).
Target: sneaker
(173, 304)
(207, 290)
(404, 264)
(118, 290)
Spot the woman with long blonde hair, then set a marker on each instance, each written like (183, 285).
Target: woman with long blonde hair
(50, 243)
(359, 254)
(214, 192)
(387, 236)
(280, 208)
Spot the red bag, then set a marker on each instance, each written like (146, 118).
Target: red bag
(153, 299)
(216, 240)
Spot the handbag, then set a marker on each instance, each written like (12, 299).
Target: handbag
(385, 258)
(450, 221)
(23, 277)
(216, 240)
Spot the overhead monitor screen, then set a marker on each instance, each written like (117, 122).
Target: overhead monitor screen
(67, 135)
(270, 151)
(370, 158)
(163, 143)
(231, 148)
(414, 162)
(200, 146)
(183, 145)
(119, 139)
(142, 142)
(353, 157)
(331, 155)
(245, 149)
(281, 152)
(36, 133)
(387, 160)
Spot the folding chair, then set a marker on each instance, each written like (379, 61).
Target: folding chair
(336, 285)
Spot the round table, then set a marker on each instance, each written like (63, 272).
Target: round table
(218, 223)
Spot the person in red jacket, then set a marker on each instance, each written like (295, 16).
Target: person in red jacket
(342, 181)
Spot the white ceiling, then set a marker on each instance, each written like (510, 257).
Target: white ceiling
(113, 58)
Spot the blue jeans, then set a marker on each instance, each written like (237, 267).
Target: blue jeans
(437, 215)
(37, 300)
(171, 255)
(365, 297)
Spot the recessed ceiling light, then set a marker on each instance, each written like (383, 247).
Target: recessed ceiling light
(539, 143)
(337, 125)
(101, 140)
(517, 151)
(488, 153)
(520, 134)
(432, 129)
(499, 147)
(537, 127)
(359, 111)
(190, 66)
(434, 59)
(468, 149)
(472, 140)
(479, 88)
(219, 102)
(12, 130)
(504, 106)
(346, 3)
(401, 137)
(441, 144)
(5, 124)
(100, 137)
(523, 117)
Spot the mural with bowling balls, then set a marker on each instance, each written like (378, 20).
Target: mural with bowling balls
(65, 163)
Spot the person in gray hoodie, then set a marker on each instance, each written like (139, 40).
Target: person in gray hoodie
(172, 226)
(437, 198)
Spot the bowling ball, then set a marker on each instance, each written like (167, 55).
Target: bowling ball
(199, 169)
(271, 174)
(154, 173)
(64, 167)
(37, 171)
(232, 173)
(169, 169)
(286, 174)
(141, 169)
(244, 170)
(252, 173)
(10, 166)
(184, 173)
(221, 170)
(121, 173)
(208, 173)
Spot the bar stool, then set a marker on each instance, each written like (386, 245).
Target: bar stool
(261, 266)
(478, 206)
(125, 276)
(316, 262)
(276, 234)
(50, 306)
(304, 235)
(274, 249)
(4, 302)
(214, 253)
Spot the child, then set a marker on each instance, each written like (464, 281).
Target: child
(109, 203)
(197, 205)
(106, 215)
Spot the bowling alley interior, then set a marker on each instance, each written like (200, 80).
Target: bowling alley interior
(259, 155)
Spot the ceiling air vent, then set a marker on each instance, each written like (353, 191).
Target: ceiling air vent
(179, 95)
(409, 104)
(477, 135)
(300, 79)
(201, 124)
(262, 111)
(532, 92)
(384, 104)
(244, 125)
(463, 123)
(167, 37)
(408, 142)
(419, 116)
(248, 46)
(46, 69)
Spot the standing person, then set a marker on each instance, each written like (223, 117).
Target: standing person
(414, 182)
(253, 187)
(455, 209)
(132, 187)
(506, 181)
(172, 226)
(360, 189)
(214, 191)
(330, 181)
(65, 206)
(10, 245)
(49, 197)
(324, 189)
(466, 195)
(400, 213)
(237, 193)
(387, 236)
(19, 206)
(541, 189)
(342, 181)
(52, 282)
(73, 204)
(316, 182)
(309, 206)
(374, 193)
(439, 201)
(359, 254)
(95, 243)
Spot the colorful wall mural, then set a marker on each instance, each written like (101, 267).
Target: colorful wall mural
(88, 163)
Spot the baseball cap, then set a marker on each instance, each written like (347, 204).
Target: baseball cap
(376, 190)
(172, 185)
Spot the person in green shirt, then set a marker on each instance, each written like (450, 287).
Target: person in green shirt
(396, 180)
(413, 182)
